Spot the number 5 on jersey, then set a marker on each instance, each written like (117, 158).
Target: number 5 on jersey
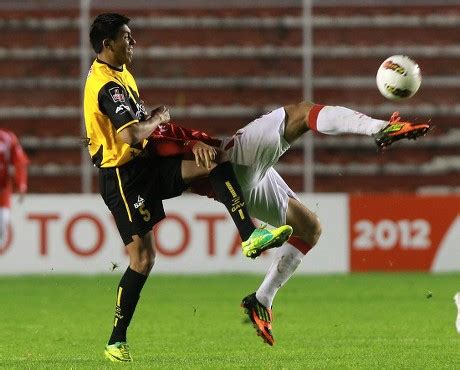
(144, 212)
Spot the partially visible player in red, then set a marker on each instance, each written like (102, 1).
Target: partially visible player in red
(253, 151)
(11, 155)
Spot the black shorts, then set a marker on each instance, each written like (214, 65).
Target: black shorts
(134, 192)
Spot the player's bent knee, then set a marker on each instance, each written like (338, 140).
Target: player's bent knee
(310, 231)
(141, 254)
(143, 263)
(315, 230)
(306, 223)
(296, 121)
(298, 112)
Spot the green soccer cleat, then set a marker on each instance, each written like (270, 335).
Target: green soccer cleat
(397, 130)
(118, 352)
(262, 239)
(260, 316)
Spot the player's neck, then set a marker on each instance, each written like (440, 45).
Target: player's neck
(107, 59)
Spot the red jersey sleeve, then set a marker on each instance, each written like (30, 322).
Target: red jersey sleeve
(20, 161)
(170, 139)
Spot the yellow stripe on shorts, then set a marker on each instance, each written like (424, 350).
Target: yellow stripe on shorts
(123, 195)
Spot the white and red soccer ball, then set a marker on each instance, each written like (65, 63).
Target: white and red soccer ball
(398, 77)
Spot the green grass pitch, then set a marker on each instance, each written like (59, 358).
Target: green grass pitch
(374, 321)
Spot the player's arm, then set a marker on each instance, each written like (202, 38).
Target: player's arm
(178, 132)
(113, 101)
(141, 130)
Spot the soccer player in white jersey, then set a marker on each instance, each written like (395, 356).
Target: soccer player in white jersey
(253, 151)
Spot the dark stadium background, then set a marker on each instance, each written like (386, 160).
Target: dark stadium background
(219, 64)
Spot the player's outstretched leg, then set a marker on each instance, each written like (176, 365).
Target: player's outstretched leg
(260, 316)
(397, 130)
(118, 352)
(337, 120)
(307, 230)
(263, 239)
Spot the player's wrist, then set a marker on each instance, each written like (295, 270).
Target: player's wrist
(189, 145)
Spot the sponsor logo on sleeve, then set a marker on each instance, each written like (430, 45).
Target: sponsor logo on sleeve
(141, 112)
(122, 108)
(117, 95)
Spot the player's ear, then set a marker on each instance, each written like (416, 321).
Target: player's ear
(106, 44)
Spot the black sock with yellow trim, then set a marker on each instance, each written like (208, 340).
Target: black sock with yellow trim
(128, 294)
(228, 191)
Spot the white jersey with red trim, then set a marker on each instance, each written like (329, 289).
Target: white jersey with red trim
(253, 151)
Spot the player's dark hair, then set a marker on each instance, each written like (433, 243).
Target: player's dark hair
(105, 26)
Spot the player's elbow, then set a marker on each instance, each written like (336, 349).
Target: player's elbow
(129, 135)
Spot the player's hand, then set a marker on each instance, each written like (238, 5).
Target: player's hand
(204, 154)
(161, 114)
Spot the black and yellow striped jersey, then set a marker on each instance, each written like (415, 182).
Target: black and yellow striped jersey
(111, 103)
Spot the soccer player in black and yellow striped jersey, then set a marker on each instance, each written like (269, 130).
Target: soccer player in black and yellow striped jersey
(112, 104)
(133, 182)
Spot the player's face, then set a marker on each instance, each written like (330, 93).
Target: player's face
(123, 46)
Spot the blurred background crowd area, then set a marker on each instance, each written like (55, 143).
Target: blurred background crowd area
(219, 64)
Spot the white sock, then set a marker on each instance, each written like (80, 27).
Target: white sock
(457, 303)
(286, 261)
(335, 120)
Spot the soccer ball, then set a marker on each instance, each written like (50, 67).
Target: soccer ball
(398, 77)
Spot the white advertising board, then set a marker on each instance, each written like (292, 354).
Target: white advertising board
(76, 234)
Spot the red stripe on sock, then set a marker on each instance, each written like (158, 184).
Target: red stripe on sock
(300, 244)
(313, 116)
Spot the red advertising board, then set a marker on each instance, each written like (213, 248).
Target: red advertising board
(401, 232)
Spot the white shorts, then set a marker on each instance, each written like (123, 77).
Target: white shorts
(256, 148)
(268, 201)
